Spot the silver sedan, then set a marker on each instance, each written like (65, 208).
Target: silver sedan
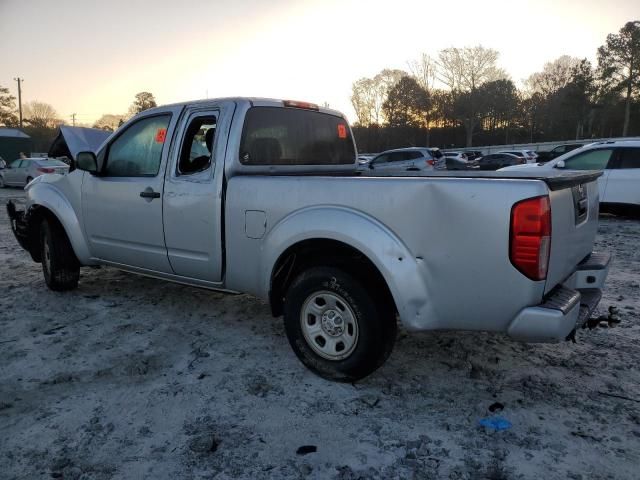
(20, 172)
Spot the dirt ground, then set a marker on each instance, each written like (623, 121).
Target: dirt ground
(129, 377)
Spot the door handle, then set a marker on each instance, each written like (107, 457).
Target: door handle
(149, 193)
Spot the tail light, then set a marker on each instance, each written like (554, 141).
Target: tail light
(431, 163)
(46, 170)
(530, 237)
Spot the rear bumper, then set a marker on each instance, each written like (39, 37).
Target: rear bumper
(19, 225)
(566, 307)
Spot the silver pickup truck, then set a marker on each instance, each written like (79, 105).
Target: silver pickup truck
(262, 196)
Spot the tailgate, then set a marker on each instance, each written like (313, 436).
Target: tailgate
(574, 224)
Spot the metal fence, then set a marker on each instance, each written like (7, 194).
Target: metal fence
(541, 146)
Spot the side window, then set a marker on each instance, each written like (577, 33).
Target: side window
(414, 155)
(629, 158)
(591, 160)
(137, 152)
(382, 159)
(197, 146)
(398, 157)
(16, 163)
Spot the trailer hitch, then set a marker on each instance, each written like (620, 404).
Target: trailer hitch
(612, 319)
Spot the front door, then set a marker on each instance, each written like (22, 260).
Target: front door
(596, 159)
(12, 173)
(122, 206)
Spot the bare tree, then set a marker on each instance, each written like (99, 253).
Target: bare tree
(40, 115)
(363, 94)
(369, 94)
(384, 82)
(554, 76)
(109, 122)
(423, 70)
(465, 69)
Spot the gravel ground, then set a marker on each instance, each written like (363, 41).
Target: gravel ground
(130, 377)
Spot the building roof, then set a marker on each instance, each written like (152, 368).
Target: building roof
(12, 132)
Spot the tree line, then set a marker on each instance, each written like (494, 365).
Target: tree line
(41, 121)
(462, 98)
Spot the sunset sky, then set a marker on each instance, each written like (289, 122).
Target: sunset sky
(91, 58)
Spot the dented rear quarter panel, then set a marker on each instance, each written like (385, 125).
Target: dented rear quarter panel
(441, 243)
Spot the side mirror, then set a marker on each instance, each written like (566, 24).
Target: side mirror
(560, 164)
(87, 161)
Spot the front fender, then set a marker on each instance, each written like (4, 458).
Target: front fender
(400, 269)
(43, 194)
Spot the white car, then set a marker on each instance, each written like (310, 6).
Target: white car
(619, 186)
(529, 155)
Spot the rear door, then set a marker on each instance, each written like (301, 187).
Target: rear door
(122, 206)
(623, 177)
(193, 193)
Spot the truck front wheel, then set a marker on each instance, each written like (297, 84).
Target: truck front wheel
(336, 326)
(60, 266)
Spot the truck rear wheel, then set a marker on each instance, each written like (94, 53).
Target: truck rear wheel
(60, 266)
(336, 326)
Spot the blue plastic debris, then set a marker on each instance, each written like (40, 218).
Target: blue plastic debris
(496, 423)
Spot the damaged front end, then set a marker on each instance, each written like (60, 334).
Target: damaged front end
(20, 226)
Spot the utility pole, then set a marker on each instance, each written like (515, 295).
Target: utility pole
(19, 80)
(73, 119)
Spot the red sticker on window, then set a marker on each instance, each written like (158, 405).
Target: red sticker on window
(342, 130)
(161, 135)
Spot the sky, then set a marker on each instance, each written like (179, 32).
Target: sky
(91, 58)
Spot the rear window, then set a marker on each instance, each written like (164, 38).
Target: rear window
(436, 153)
(289, 136)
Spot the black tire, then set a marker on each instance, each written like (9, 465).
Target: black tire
(376, 324)
(60, 266)
(28, 180)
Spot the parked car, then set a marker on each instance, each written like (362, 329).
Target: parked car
(473, 154)
(459, 161)
(20, 172)
(275, 209)
(527, 155)
(408, 159)
(548, 155)
(494, 161)
(619, 186)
